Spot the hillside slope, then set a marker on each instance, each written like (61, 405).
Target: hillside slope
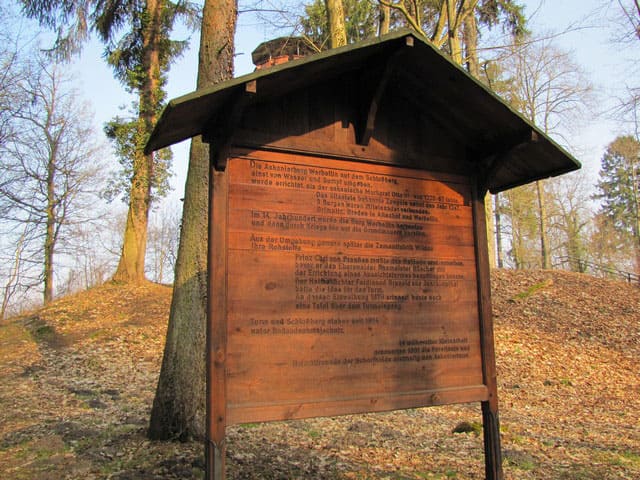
(77, 380)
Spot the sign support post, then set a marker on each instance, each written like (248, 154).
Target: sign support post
(215, 446)
(490, 419)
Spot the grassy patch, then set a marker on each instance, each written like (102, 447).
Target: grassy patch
(43, 333)
(17, 347)
(249, 426)
(448, 474)
(37, 458)
(99, 334)
(12, 334)
(631, 458)
(579, 472)
(520, 460)
(621, 459)
(533, 289)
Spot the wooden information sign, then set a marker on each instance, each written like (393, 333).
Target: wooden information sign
(341, 287)
(351, 288)
(345, 275)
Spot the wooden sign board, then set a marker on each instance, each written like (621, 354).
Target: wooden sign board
(339, 287)
(351, 288)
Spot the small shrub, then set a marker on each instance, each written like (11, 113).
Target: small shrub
(468, 427)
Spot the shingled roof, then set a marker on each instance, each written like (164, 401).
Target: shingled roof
(508, 149)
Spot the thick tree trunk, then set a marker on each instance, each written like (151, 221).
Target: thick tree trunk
(132, 258)
(453, 37)
(134, 246)
(517, 247)
(179, 405)
(335, 17)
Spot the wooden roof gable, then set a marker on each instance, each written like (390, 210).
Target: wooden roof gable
(506, 149)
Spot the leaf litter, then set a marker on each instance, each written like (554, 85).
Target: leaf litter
(77, 380)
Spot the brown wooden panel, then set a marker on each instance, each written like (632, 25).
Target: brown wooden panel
(297, 410)
(351, 288)
(216, 414)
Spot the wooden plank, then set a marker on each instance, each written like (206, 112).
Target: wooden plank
(293, 411)
(383, 168)
(216, 326)
(317, 143)
(343, 320)
(490, 417)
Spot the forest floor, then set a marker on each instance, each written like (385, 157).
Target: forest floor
(77, 380)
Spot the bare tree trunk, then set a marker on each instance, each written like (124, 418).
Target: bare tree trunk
(636, 201)
(471, 45)
(455, 49)
(517, 247)
(542, 222)
(498, 223)
(335, 17)
(49, 237)
(470, 36)
(13, 276)
(385, 19)
(132, 258)
(179, 405)
(574, 247)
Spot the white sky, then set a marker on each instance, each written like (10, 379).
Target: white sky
(607, 64)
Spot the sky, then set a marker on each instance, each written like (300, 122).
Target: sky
(579, 26)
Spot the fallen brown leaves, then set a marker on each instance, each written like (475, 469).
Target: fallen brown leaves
(77, 380)
(568, 369)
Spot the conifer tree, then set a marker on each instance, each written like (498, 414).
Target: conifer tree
(138, 47)
(619, 188)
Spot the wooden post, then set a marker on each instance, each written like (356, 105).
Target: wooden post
(490, 418)
(215, 444)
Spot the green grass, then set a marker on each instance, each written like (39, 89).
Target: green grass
(533, 289)
(44, 333)
(438, 476)
(621, 459)
(520, 460)
(249, 426)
